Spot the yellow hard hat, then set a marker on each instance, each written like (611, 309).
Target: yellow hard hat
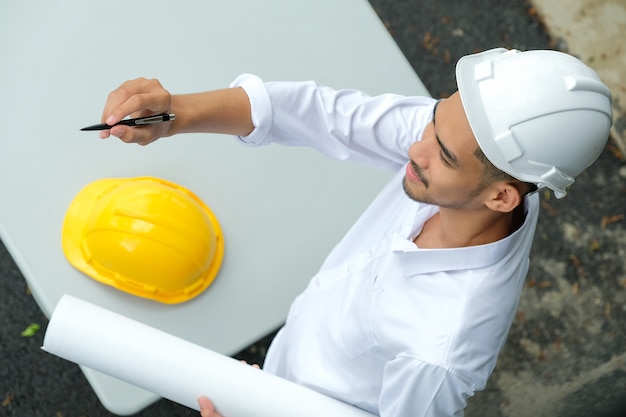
(145, 236)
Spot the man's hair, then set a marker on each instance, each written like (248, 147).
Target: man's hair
(492, 174)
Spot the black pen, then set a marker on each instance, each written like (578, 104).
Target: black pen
(140, 121)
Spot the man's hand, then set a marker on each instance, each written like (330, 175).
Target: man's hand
(137, 98)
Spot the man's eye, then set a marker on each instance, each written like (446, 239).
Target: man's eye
(444, 160)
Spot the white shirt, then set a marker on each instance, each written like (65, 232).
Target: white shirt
(396, 330)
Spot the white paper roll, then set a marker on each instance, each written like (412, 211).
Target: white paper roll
(177, 369)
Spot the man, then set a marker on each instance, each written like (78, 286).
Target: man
(409, 312)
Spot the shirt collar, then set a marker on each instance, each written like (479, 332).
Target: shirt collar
(423, 261)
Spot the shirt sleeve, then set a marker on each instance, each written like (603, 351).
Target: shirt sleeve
(412, 388)
(343, 124)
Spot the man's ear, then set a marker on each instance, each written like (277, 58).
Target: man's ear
(503, 197)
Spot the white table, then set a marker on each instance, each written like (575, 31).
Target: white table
(281, 210)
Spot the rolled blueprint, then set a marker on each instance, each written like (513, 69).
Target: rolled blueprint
(177, 369)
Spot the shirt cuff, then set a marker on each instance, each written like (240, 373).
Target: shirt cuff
(260, 106)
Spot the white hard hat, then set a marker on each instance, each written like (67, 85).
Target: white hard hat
(541, 116)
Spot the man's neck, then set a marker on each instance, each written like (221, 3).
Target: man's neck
(452, 228)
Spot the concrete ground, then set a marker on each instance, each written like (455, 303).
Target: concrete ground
(566, 353)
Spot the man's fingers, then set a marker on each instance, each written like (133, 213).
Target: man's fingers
(206, 408)
(139, 135)
(139, 97)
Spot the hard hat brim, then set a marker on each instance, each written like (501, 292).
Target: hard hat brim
(466, 77)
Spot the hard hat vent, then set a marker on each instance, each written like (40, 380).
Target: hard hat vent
(586, 84)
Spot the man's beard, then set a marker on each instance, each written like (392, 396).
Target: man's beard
(423, 197)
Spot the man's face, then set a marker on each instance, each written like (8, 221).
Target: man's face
(443, 169)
